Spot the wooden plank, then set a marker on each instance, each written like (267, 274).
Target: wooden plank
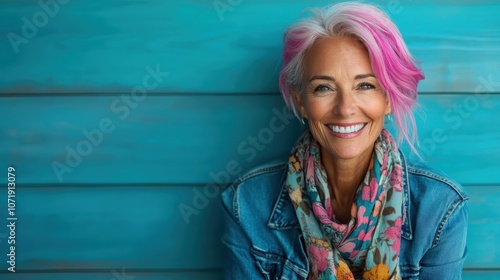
(200, 139)
(142, 228)
(93, 46)
(115, 274)
(113, 227)
(158, 139)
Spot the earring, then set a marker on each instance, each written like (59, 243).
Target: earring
(388, 118)
(303, 120)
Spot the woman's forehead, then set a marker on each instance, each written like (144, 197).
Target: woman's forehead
(333, 55)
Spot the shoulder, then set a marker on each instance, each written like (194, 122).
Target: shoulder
(266, 172)
(423, 179)
(256, 189)
(432, 200)
(435, 228)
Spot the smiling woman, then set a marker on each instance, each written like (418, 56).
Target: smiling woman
(340, 207)
(345, 106)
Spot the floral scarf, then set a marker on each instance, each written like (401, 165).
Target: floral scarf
(368, 246)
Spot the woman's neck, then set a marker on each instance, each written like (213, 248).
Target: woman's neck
(344, 177)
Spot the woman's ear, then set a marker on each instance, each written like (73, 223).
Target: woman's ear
(298, 101)
(388, 109)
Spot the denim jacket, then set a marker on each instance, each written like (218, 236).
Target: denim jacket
(262, 236)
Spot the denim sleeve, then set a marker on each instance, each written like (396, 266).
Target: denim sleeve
(445, 259)
(238, 262)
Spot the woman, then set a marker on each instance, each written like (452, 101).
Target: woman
(347, 204)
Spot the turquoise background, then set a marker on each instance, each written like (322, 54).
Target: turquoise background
(125, 119)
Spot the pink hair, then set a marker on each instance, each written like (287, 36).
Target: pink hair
(391, 61)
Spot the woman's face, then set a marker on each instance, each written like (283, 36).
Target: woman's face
(341, 98)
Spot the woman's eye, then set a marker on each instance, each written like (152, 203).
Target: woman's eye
(322, 88)
(366, 86)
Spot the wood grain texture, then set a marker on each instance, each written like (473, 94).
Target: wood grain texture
(113, 227)
(203, 139)
(91, 46)
(142, 227)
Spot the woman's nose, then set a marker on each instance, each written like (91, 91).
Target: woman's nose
(344, 104)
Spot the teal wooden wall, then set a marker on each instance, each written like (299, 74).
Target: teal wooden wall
(119, 116)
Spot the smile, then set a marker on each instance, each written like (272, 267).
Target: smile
(346, 129)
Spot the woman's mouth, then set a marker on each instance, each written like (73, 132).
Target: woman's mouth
(346, 131)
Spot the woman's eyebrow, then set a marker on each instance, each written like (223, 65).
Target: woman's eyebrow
(362, 76)
(330, 78)
(322, 77)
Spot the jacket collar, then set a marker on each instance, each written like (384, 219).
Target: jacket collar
(283, 216)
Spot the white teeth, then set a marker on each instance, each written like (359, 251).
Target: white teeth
(346, 129)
